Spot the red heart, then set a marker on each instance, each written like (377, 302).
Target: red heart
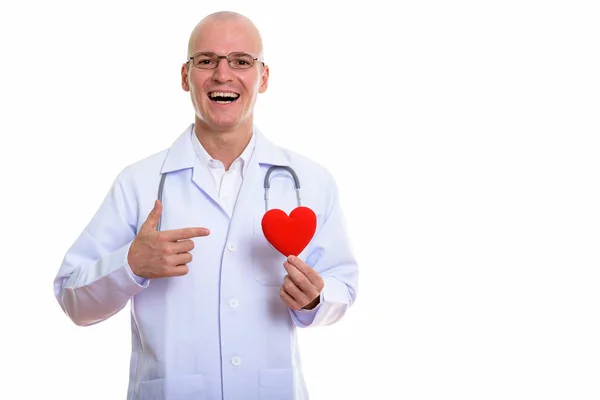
(289, 235)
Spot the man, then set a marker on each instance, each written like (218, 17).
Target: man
(214, 306)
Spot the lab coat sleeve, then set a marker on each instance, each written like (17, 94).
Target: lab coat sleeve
(94, 280)
(330, 254)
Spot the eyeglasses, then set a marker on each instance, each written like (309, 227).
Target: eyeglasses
(207, 60)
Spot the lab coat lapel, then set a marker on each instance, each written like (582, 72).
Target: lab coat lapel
(204, 180)
(250, 183)
(181, 156)
(265, 154)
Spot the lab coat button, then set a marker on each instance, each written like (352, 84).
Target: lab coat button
(231, 247)
(236, 361)
(233, 303)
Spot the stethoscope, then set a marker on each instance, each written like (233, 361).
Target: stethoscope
(267, 186)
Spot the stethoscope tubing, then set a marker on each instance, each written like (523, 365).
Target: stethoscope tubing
(267, 186)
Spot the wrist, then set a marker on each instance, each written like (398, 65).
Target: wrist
(313, 303)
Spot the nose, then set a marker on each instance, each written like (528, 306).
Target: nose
(223, 72)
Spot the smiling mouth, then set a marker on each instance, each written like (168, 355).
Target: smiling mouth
(223, 97)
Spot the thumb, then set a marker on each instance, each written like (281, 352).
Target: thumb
(153, 217)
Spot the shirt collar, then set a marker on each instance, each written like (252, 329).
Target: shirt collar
(207, 160)
(182, 154)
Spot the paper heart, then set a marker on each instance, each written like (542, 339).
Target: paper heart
(289, 234)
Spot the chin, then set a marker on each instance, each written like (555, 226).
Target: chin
(225, 121)
(220, 121)
(219, 124)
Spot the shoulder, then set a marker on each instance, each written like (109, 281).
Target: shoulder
(273, 153)
(144, 168)
(306, 166)
(179, 155)
(309, 171)
(317, 183)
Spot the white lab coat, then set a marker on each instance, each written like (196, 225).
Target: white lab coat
(221, 331)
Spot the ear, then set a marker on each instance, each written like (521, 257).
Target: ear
(185, 85)
(264, 80)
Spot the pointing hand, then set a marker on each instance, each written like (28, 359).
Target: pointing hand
(162, 254)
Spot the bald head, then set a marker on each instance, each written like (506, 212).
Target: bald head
(229, 21)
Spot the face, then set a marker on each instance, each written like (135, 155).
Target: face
(211, 89)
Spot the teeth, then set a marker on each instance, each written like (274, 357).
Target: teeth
(224, 94)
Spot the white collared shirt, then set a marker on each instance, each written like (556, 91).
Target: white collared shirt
(227, 183)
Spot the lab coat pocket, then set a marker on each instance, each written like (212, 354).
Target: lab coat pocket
(187, 387)
(276, 384)
(267, 262)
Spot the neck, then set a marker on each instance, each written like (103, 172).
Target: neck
(224, 145)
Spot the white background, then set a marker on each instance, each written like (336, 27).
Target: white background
(464, 137)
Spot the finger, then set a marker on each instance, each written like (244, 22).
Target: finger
(152, 221)
(178, 270)
(184, 233)
(179, 259)
(182, 246)
(290, 287)
(299, 278)
(312, 275)
(288, 300)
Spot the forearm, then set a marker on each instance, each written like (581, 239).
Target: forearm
(93, 292)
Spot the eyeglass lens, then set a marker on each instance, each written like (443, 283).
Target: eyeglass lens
(211, 60)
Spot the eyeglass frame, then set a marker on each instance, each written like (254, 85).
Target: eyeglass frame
(219, 58)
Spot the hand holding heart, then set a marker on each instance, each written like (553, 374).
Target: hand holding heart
(302, 285)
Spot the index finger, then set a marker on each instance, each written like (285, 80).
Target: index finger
(184, 233)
